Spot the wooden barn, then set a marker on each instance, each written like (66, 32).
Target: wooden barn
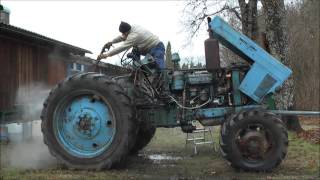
(28, 59)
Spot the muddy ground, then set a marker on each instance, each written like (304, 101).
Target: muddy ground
(166, 157)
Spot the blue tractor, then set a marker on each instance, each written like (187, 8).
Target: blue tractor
(94, 121)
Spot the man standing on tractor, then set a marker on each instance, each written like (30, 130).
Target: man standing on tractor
(136, 36)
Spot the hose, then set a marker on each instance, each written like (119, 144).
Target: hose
(189, 108)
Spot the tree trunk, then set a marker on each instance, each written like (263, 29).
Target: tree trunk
(278, 43)
(249, 18)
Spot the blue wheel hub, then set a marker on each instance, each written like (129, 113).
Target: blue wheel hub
(84, 125)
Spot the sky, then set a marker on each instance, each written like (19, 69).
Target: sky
(90, 24)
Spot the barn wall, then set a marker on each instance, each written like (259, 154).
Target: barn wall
(24, 65)
(57, 69)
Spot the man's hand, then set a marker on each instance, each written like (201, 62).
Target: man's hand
(102, 56)
(108, 45)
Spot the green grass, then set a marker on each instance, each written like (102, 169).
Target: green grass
(302, 162)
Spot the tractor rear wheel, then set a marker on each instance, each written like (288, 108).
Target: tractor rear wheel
(141, 97)
(254, 140)
(87, 122)
(145, 134)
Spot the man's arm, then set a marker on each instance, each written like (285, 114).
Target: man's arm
(119, 49)
(127, 44)
(114, 41)
(117, 39)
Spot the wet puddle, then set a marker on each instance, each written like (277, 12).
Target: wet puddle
(158, 158)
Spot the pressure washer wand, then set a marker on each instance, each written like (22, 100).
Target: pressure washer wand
(98, 60)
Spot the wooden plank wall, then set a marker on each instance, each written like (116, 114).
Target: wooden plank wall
(56, 69)
(22, 66)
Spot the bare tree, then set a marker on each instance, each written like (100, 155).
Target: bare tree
(197, 11)
(249, 19)
(303, 20)
(241, 14)
(276, 34)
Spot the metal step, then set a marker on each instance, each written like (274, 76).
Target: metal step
(206, 142)
(199, 137)
(200, 130)
(194, 139)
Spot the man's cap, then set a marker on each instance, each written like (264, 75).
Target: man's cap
(124, 27)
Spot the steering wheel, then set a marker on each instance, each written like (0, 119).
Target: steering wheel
(126, 59)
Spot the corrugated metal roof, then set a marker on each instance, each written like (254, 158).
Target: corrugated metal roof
(5, 28)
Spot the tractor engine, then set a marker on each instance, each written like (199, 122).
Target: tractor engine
(195, 89)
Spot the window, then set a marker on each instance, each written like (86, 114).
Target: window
(77, 67)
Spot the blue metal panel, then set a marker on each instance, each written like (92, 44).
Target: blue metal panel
(218, 112)
(254, 83)
(266, 74)
(211, 113)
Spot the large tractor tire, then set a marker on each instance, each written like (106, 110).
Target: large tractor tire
(87, 122)
(254, 140)
(145, 134)
(140, 97)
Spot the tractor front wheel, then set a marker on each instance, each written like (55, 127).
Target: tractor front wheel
(254, 140)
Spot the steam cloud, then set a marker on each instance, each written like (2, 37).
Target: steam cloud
(31, 152)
